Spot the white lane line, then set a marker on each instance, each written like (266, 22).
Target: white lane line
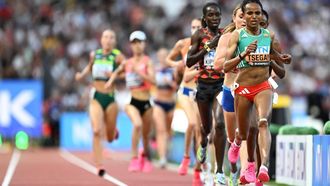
(11, 167)
(88, 167)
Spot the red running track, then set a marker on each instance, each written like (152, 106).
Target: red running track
(50, 167)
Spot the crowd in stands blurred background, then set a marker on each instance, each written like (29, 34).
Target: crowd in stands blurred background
(51, 39)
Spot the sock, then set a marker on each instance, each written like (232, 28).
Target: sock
(263, 167)
(236, 144)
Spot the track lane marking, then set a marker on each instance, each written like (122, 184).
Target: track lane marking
(88, 167)
(11, 167)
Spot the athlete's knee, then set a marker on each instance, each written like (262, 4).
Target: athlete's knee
(97, 133)
(219, 126)
(191, 125)
(206, 129)
(138, 126)
(263, 123)
(161, 131)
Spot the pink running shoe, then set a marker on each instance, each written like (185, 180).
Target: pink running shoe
(249, 172)
(197, 178)
(147, 165)
(183, 169)
(135, 165)
(233, 153)
(258, 183)
(243, 180)
(263, 174)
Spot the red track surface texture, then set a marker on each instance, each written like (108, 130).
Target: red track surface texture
(53, 167)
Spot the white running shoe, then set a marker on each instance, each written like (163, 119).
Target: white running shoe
(233, 179)
(220, 179)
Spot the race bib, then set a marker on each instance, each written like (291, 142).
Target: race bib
(258, 58)
(209, 59)
(261, 56)
(163, 78)
(192, 94)
(101, 70)
(133, 80)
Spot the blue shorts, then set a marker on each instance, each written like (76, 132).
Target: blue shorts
(187, 92)
(227, 100)
(165, 106)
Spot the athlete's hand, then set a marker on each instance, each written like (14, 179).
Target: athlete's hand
(286, 58)
(251, 48)
(109, 83)
(108, 74)
(214, 42)
(78, 76)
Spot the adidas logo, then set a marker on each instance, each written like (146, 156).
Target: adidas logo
(244, 35)
(244, 91)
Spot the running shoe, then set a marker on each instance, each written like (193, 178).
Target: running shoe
(249, 172)
(135, 165)
(243, 180)
(162, 163)
(100, 171)
(258, 183)
(233, 179)
(183, 169)
(147, 165)
(263, 174)
(233, 153)
(201, 154)
(197, 179)
(220, 178)
(206, 175)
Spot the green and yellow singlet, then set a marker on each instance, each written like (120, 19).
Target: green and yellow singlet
(104, 64)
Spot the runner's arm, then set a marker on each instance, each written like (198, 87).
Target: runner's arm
(230, 62)
(194, 54)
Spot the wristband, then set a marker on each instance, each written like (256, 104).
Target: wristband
(240, 57)
(206, 47)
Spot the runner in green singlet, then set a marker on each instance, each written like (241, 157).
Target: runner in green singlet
(103, 109)
(253, 48)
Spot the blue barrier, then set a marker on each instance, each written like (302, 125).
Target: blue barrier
(176, 149)
(317, 160)
(20, 107)
(76, 132)
(326, 159)
(321, 160)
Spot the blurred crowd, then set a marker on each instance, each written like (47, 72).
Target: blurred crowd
(50, 40)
